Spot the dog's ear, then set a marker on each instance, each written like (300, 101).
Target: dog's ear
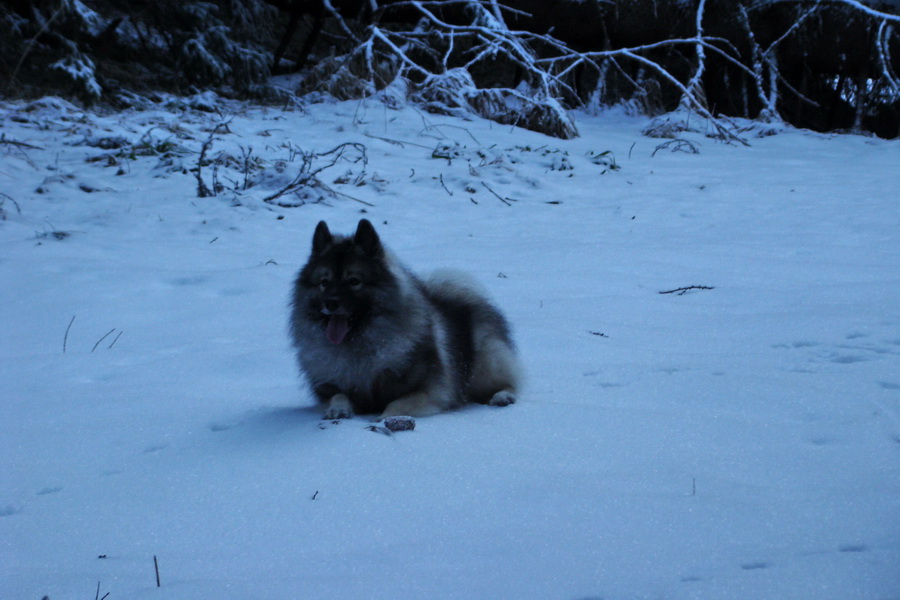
(366, 238)
(321, 238)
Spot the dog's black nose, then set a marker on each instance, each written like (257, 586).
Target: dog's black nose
(332, 304)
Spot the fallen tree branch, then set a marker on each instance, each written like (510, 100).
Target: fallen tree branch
(683, 290)
(677, 145)
(308, 175)
(16, 143)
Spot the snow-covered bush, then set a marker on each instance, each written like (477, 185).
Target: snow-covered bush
(455, 93)
(112, 50)
(80, 70)
(212, 56)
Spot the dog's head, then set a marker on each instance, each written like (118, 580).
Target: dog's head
(342, 279)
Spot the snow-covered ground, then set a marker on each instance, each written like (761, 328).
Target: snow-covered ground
(737, 442)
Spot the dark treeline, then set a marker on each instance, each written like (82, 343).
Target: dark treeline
(821, 65)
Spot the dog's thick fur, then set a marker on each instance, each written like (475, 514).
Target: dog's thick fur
(373, 338)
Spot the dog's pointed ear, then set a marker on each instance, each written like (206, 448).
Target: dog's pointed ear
(366, 238)
(321, 238)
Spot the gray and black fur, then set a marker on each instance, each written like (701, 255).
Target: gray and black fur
(373, 338)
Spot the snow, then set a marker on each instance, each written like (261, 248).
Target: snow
(94, 23)
(735, 442)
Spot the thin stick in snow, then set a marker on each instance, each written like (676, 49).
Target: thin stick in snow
(507, 201)
(682, 290)
(116, 339)
(3, 198)
(499, 197)
(66, 336)
(103, 338)
(97, 595)
(443, 185)
(17, 144)
(202, 190)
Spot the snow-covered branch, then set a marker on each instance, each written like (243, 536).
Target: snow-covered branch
(691, 100)
(765, 69)
(490, 57)
(695, 84)
(884, 55)
(883, 16)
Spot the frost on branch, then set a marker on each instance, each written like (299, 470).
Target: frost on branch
(812, 63)
(448, 93)
(213, 56)
(455, 93)
(459, 59)
(80, 70)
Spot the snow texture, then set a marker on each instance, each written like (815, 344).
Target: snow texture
(736, 442)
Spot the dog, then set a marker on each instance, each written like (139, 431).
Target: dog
(373, 338)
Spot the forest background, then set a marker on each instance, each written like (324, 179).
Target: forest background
(822, 65)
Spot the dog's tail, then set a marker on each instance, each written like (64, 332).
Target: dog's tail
(495, 366)
(456, 285)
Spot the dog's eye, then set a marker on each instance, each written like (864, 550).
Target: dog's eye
(354, 282)
(324, 282)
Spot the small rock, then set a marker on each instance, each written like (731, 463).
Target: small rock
(400, 423)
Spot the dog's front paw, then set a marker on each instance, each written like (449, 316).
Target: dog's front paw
(339, 407)
(502, 398)
(331, 414)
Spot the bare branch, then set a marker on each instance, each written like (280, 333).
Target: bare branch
(570, 54)
(683, 290)
(793, 27)
(17, 144)
(203, 190)
(308, 176)
(340, 20)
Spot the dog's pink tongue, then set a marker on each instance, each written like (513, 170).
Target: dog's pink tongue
(337, 328)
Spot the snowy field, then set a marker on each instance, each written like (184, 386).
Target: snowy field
(739, 442)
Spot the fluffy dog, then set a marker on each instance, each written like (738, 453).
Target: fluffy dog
(373, 338)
